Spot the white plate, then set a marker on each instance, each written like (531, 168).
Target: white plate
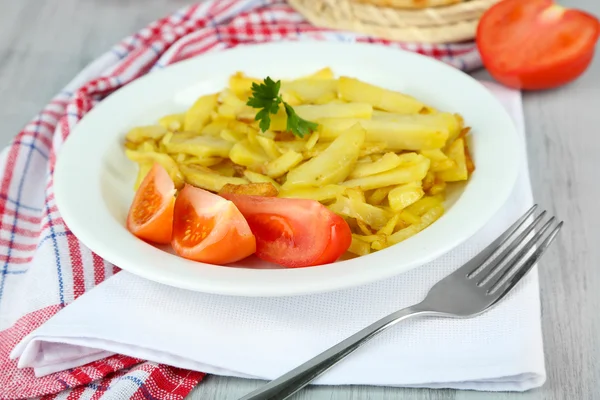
(94, 179)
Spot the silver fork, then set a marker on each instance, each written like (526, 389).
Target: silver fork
(469, 291)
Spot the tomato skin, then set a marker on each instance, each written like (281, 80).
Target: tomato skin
(536, 44)
(341, 238)
(150, 216)
(293, 232)
(223, 235)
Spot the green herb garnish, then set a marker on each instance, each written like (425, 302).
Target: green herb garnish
(266, 97)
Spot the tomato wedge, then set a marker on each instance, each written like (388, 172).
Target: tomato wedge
(151, 213)
(294, 232)
(210, 229)
(536, 44)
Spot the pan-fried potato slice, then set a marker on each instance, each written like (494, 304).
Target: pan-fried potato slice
(385, 163)
(379, 195)
(352, 89)
(442, 121)
(405, 173)
(331, 166)
(324, 193)
(198, 115)
(297, 145)
(269, 146)
(206, 179)
(373, 149)
(250, 189)
(456, 152)
(143, 169)
(255, 177)
(163, 159)
(439, 161)
(312, 140)
(359, 246)
(215, 127)
(200, 146)
(311, 90)
(249, 155)
(203, 161)
(173, 122)
(438, 187)
(375, 217)
(404, 195)
(427, 219)
(323, 73)
(363, 227)
(389, 227)
(281, 165)
(232, 136)
(314, 112)
(419, 208)
(225, 168)
(355, 194)
(398, 136)
(142, 133)
(240, 84)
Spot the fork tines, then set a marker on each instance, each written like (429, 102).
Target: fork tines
(500, 272)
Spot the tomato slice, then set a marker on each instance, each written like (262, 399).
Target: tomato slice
(210, 229)
(294, 232)
(151, 213)
(536, 44)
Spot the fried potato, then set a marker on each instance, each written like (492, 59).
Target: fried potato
(312, 112)
(379, 195)
(143, 169)
(269, 147)
(324, 193)
(241, 84)
(203, 161)
(375, 217)
(209, 180)
(352, 89)
(281, 165)
(331, 166)
(143, 133)
(420, 207)
(397, 135)
(359, 246)
(249, 155)
(405, 173)
(439, 161)
(151, 157)
(173, 122)
(250, 189)
(200, 146)
(385, 163)
(255, 177)
(215, 127)
(311, 90)
(427, 219)
(198, 115)
(456, 152)
(404, 195)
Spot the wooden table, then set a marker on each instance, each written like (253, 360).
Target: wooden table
(43, 44)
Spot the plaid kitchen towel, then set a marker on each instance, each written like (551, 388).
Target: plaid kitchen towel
(43, 266)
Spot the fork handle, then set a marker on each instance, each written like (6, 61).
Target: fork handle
(294, 380)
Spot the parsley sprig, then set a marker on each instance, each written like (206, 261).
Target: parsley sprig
(266, 97)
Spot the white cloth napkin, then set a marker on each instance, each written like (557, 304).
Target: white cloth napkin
(265, 337)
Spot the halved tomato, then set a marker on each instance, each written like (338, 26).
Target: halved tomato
(210, 229)
(536, 44)
(294, 232)
(151, 213)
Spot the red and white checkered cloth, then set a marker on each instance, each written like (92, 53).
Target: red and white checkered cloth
(43, 266)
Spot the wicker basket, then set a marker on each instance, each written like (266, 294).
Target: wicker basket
(425, 21)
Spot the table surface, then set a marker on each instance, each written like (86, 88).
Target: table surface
(43, 44)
